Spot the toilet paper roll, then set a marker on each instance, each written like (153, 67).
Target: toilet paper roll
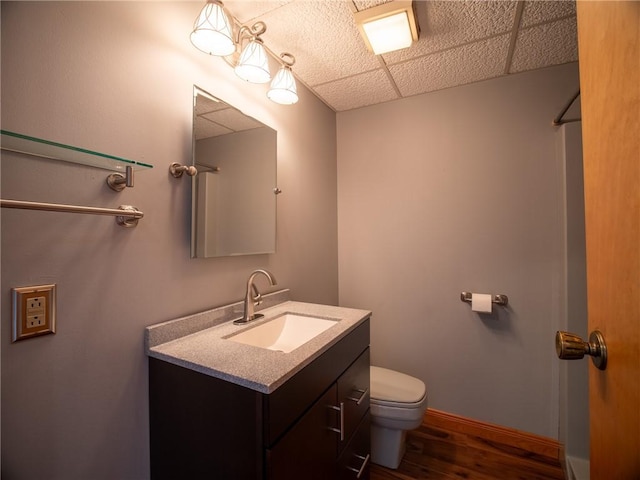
(481, 302)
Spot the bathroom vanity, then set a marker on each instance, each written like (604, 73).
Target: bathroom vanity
(223, 409)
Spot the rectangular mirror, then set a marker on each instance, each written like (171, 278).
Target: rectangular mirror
(234, 191)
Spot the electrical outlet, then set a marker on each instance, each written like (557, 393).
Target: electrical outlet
(34, 311)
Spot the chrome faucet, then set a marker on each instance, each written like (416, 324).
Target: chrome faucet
(253, 298)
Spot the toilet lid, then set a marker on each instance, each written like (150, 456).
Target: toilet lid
(391, 386)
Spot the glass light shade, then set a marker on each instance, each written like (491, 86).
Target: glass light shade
(389, 33)
(212, 32)
(283, 88)
(253, 65)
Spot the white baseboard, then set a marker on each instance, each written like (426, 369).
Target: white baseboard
(577, 468)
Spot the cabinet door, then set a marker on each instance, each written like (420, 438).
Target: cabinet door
(353, 393)
(202, 427)
(355, 459)
(308, 450)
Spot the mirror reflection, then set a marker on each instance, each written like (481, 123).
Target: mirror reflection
(234, 199)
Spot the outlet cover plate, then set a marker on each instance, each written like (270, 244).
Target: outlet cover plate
(33, 311)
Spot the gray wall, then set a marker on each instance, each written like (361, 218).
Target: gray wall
(461, 190)
(118, 78)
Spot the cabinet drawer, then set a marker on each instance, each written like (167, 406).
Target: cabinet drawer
(354, 461)
(353, 393)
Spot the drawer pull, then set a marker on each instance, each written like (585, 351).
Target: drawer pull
(341, 429)
(363, 394)
(364, 464)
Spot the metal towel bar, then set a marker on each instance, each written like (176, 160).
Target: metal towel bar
(126, 215)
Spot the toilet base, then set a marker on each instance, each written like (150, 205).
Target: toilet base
(387, 446)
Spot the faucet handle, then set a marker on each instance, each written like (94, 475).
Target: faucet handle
(257, 296)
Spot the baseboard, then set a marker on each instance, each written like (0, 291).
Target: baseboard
(577, 468)
(537, 445)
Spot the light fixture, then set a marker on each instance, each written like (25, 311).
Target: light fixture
(388, 27)
(213, 34)
(283, 88)
(212, 31)
(253, 65)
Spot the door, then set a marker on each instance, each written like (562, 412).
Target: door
(609, 49)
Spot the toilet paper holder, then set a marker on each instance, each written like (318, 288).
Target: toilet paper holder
(498, 299)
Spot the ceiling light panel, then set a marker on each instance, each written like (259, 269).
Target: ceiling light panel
(388, 27)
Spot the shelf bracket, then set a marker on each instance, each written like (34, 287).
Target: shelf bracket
(118, 181)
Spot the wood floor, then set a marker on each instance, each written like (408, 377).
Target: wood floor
(449, 447)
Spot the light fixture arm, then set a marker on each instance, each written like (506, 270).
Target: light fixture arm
(253, 32)
(287, 59)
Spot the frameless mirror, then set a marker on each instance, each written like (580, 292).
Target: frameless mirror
(234, 191)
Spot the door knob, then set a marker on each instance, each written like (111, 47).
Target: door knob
(571, 347)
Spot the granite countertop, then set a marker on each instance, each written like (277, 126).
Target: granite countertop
(198, 342)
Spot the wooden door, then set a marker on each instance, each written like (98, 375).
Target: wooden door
(609, 49)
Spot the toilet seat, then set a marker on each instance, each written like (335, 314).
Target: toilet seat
(395, 389)
(398, 405)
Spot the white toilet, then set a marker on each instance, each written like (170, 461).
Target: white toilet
(398, 402)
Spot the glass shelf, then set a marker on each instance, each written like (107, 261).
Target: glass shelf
(16, 142)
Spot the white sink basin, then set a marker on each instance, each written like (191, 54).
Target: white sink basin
(284, 333)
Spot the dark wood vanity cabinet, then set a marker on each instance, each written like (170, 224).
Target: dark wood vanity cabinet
(314, 426)
(311, 447)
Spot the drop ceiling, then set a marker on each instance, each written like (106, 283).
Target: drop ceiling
(460, 42)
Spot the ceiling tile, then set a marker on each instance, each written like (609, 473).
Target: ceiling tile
(206, 129)
(543, 11)
(323, 38)
(367, 4)
(206, 104)
(247, 11)
(544, 45)
(445, 25)
(358, 91)
(233, 119)
(458, 66)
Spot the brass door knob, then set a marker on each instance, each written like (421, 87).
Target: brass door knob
(571, 347)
